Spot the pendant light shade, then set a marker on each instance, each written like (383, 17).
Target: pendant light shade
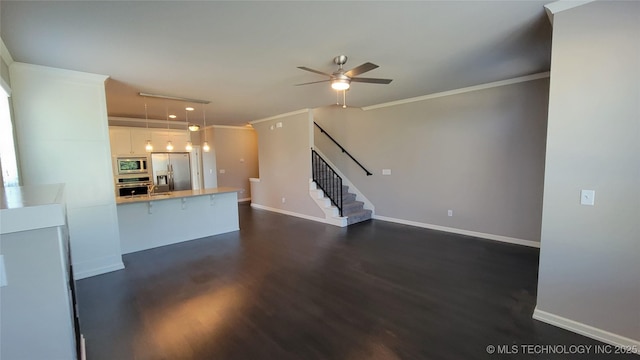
(149, 146)
(169, 146)
(205, 146)
(189, 146)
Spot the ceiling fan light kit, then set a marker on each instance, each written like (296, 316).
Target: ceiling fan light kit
(341, 80)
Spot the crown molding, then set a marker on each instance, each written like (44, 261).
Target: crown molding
(232, 127)
(297, 112)
(460, 91)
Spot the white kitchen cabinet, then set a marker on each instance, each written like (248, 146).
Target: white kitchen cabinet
(120, 140)
(139, 139)
(132, 141)
(178, 138)
(37, 311)
(129, 141)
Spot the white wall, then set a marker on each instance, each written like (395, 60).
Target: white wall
(589, 277)
(63, 137)
(285, 165)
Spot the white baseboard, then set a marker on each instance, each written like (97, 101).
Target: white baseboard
(286, 212)
(588, 331)
(501, 238)
(244, 199)
(82, 271)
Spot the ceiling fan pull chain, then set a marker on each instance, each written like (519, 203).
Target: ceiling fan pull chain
(344, 99)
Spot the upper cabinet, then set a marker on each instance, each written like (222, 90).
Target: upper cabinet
(178, 138)
(132, 141)
(128, 141)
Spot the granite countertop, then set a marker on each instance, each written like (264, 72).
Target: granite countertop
(174, 195)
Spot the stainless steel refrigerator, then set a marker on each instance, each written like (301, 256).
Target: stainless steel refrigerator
(171, 171)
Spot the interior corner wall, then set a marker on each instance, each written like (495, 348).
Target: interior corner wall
(479, 154)
(237, 155)
(589, 258)
(285, 165)
(63, 137)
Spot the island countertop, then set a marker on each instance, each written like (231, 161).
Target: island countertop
(174, 195)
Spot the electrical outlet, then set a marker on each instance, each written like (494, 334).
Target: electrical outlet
(386, 171)
(284, 200)
(450, 213)
(222, 171)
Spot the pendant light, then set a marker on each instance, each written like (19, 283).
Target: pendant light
(169, 144)
(189, 146)
(205, 144)
(148, 147)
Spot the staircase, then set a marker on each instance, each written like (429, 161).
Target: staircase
(353, 211)
(339, 205)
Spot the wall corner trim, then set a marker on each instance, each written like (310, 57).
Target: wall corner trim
(5, 54)
(562, 5)
(505, 239)
(517, 80)
(587, 330)
(297, 112)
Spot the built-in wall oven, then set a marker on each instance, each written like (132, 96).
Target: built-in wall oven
(133, 185)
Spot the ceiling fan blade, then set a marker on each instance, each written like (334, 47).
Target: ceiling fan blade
(313, 82)
(371, 80)
(361, 69)
(313, 71)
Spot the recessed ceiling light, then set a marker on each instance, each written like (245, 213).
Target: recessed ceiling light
(172, 116)
(189, 108)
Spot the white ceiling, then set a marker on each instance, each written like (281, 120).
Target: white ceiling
(242, 56)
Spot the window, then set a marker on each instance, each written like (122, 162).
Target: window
(8, 161)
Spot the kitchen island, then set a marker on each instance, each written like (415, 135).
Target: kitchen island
(149, 221)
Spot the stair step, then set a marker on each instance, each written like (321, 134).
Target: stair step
(352, 207)
(347, 198)
(360, 216)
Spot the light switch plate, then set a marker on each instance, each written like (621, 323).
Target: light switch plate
(587, 197)
(3, 273)
(222, 171)
(386, 171)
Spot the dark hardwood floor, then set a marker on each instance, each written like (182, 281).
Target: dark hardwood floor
(288, 288)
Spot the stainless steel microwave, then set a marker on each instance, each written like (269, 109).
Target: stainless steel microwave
(132, 165)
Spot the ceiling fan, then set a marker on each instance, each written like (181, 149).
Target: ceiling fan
(341, 79)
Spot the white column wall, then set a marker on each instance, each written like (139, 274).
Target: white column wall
(62, 136)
